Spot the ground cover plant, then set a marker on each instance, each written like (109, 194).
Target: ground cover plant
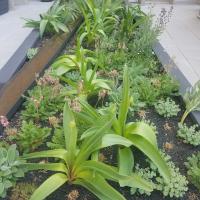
(190, 135)
(31, 53)
(104, 121)
(193, 166)
(167, 108)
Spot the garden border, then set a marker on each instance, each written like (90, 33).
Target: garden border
(18, 80)
(175, 72)
(13, 77)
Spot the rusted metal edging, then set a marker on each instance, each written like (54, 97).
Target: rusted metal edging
(20, 82)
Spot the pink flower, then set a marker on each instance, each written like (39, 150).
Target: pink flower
(4, 121)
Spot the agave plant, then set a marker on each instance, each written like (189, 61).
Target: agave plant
(76, 167)
(138, 134)
(192, 100)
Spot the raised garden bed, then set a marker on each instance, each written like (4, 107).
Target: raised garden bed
(104, 83)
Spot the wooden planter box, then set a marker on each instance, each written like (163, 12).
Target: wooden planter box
(3, 6)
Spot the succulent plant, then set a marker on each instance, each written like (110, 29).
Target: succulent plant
(177, 186)
(167, 108)
(193, 166)
(190, 135)
(11, 169)
(31, 53)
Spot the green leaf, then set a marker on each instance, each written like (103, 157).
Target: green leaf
(43, 25)
(124, 106)
(103, 169)
(70, 132)
(57, 153)
(1, 188)
(97, 185)
(54, 24)
(62, 27)
(90, 145)
(113, 139)
(90, 132)
(49, 186)
(67, 60)
(8, 184)
(97, 125)
(125, 161)
(46, 166)
(100, 83)
(102, 32)
(149, 150)
(136, 181)
(62, 70)
(89, 109)
(82, 36)
(142, 129)
(12, 153)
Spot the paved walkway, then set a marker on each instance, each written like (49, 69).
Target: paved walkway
(12, 32)
(181, 38)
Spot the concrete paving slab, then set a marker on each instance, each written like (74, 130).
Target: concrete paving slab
(181, 39)
(12, 31)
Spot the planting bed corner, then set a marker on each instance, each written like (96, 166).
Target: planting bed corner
(18, 75)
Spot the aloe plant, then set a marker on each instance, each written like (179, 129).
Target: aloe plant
(76, 167)
(138, 134)
(192, 100)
